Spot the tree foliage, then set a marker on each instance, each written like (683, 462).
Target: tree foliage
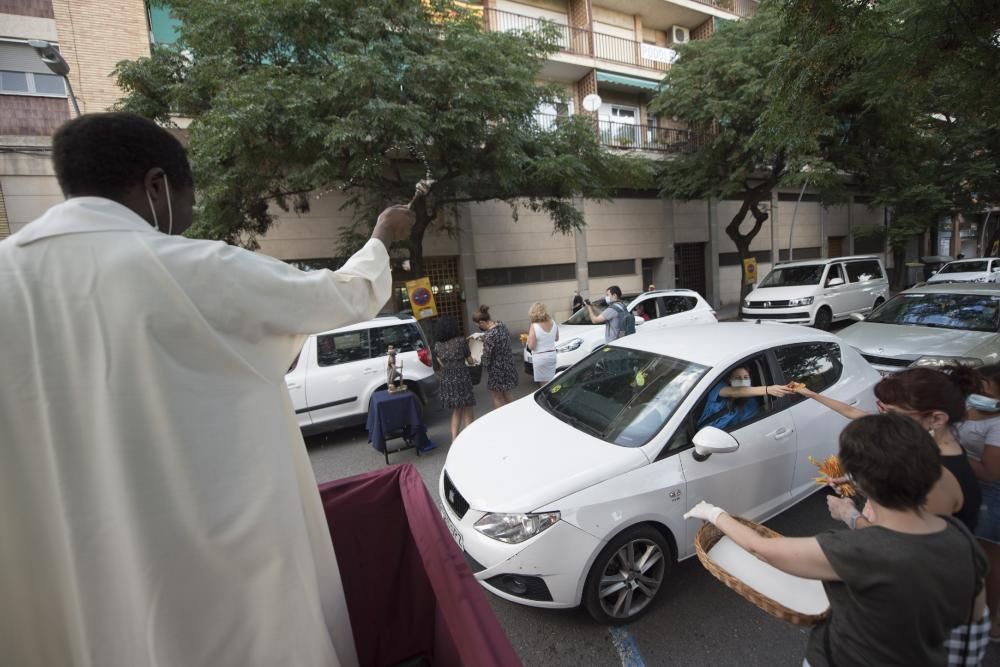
(293, 97)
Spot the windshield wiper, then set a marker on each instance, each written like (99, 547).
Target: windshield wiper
(581, 425)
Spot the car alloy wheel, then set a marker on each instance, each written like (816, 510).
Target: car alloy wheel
(627, 575)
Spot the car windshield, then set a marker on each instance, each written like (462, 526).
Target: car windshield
(965, 267)
(620, 395)
(582, 316)
(793, 276)
(968, 312)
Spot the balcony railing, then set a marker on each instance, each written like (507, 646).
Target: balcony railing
(742, 8)
(614, 134)
(583, 42)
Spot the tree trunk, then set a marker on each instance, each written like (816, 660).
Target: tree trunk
(956, 234)
(423, 221)
(900, 269)
(751, 205)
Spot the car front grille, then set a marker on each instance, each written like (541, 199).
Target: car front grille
(776, 316)
(454, 498)
(769, 304)
(886, 361)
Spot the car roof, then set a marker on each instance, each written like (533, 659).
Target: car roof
(670, 290)
(721, 342)
(827, 260)
(954, 288)
(970, 259)
(379, 321)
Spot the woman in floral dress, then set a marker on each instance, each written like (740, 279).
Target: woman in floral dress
(497, 357)
(451, 352)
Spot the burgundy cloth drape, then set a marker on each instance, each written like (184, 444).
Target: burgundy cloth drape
(409, 591)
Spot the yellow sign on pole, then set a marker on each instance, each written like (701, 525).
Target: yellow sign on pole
(421, 298)
(750, 270)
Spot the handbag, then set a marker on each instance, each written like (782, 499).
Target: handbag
(475, 374)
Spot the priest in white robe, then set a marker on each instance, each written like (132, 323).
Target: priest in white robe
(157, 504)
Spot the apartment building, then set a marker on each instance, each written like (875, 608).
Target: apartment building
(613, 54)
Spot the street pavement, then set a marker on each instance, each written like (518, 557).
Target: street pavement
(697, 621)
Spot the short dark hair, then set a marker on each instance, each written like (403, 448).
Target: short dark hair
(446, 328)
(928, 389)
(892, 459)
(616, 291)
(106, 154)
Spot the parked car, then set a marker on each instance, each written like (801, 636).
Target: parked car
(818, 291)
(932, 325)
(981, 270)
(332, 380)
(576, 493)
(578, 336)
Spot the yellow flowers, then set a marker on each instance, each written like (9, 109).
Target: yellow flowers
(833, 474)
(524, 338)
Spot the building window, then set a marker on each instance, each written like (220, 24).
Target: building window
(22, 72)
(519, 275)
(614, 267)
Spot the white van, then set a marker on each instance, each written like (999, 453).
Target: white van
(818, 291)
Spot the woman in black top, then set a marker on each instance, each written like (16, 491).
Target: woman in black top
(936, 400)
(898, 588)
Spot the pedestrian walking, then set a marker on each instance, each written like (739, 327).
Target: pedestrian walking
(497, 358)
(542, 336)
(577, 301)
(157, 504)
(451, 352)
(896, 589)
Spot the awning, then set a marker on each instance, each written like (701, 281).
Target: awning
(630, 81)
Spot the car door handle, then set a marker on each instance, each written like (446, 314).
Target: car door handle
(294, 385)
(370, 371)
(781, 433)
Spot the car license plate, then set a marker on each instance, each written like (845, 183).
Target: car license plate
(454, 532)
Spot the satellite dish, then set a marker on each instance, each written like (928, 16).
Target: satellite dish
(592, 102)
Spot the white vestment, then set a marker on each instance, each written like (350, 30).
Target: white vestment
(157, 505)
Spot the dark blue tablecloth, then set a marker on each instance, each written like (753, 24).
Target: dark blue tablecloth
(389, 414)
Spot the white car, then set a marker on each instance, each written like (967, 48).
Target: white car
(983, 270)
(332, 380)
(932, 325)
(818, 291)
(576, 493)
(578, 336)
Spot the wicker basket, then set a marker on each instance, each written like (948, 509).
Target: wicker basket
(706, 538)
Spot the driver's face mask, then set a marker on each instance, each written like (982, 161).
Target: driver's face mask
(740, 382)
(170, 209)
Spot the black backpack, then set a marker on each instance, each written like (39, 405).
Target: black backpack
(628, 322)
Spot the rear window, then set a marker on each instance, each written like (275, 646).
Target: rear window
(817, 365)
(619, 395)
(342, 348)
(965, 267)
(862, 272)
(404, 337)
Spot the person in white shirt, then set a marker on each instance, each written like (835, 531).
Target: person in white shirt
(157, 504)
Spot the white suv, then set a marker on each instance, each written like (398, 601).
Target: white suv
(981, 270)
(818, 291)
(332, 380)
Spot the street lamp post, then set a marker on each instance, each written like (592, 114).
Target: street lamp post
(57, 65)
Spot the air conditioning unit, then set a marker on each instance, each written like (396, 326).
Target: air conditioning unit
(679, 34)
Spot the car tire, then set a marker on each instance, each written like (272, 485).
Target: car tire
(615, 597)
(823, 319)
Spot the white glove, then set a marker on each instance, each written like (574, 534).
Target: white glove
(705, 511)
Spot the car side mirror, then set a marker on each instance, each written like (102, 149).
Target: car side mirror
(711, 440)
(933, 272)
(833, 282)
(857, 317)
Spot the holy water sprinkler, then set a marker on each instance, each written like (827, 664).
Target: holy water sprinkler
(423, 187)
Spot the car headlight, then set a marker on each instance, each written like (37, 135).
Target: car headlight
(570, 345)
(515, 528)
(746, 303)
(804, 301)
(933, 361)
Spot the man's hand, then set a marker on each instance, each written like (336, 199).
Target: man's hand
(393, 225)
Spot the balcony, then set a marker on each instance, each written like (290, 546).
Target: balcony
(744, 9)
(628, 136)
(579, 41)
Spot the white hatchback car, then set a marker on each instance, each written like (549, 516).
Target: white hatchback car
(332, 380)
(578, 337)
(576, 493)
(983, 270)
(932, 325)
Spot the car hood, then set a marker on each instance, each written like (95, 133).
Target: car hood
(911, 342)
(957, 277)
(782, 293)
(520, 457)
(567, 331)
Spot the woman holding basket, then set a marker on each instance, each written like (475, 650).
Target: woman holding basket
(898, 588)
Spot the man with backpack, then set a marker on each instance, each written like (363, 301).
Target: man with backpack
(616, 318)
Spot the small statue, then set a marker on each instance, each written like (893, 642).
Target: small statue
(394, 373)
